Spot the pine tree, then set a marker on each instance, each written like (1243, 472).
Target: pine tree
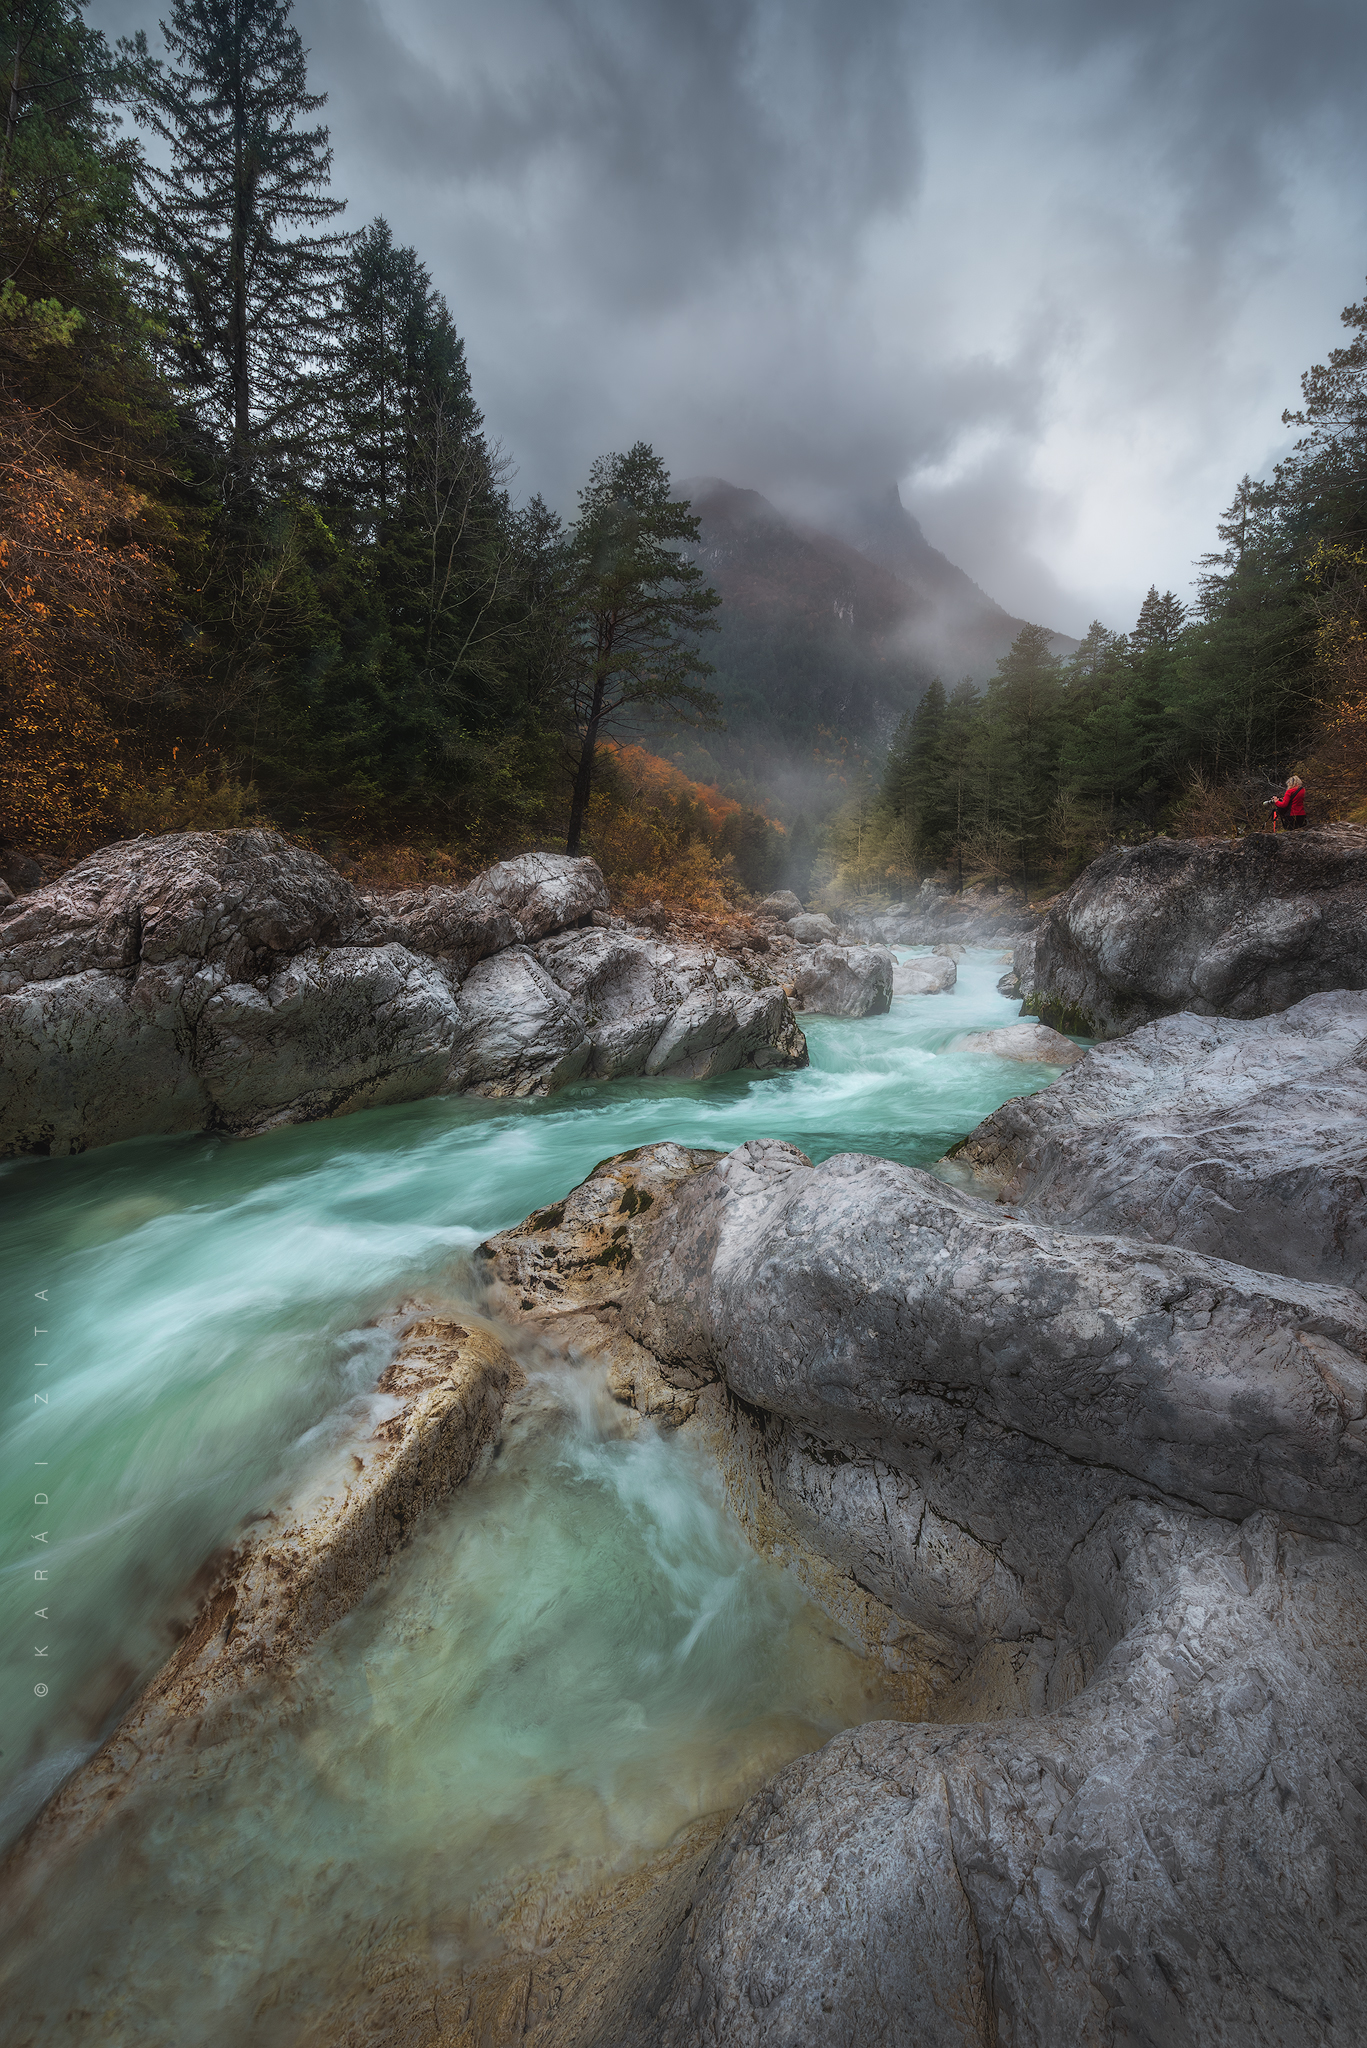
(1022, 736)
(638, 602)
(247, 287)
(1159, 622)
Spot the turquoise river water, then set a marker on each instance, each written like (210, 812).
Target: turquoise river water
(577, 1657)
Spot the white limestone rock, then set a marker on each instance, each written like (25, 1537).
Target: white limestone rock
(1033, 1043)
(813, 928)
(1231, 930)
(1246, 1139)
(845, 981)
(931, 977)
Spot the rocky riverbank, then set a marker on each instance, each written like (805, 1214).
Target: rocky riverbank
(1218, 928)
(1101, 1491)
(1071, 1433)
(231, 981)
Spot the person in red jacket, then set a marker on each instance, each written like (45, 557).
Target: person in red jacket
(1290, 806)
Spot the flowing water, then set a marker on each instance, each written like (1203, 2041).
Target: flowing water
(579, 1655)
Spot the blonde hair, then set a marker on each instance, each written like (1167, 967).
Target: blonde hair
(1294, 782)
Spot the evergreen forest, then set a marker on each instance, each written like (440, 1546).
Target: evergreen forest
(261, 562)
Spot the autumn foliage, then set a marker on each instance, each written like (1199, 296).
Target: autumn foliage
(83, 598)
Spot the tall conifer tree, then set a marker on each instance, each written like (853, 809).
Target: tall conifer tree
(248, 284)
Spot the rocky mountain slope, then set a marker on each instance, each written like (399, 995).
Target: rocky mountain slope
(827, 638)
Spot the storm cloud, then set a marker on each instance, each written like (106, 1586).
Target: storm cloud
(1056, 269)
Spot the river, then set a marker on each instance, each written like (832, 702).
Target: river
(577, 1657)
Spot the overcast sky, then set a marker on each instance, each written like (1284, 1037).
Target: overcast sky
(1055, 268)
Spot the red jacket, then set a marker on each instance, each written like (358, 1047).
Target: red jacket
(1293, 803)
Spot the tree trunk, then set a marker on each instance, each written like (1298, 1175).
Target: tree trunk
(239, 370)
(583, 783)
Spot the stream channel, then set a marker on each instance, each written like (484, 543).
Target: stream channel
(578, 1656)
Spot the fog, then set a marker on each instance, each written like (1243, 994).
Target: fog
(1054, 270)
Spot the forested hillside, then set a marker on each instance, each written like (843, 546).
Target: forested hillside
(1188, 722)
(259, 558)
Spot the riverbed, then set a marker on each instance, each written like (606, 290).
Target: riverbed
(579, 1656)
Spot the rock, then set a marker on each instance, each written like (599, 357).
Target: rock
(18, 872)
(231, 981)
(435, 1407)
(1033, 1042)
(936, 916)
(6, 895)
(947, 951)
(1008, 984)
(236, 899)
(1142, 1866)
(845, 981)
(1246, 1139)
(813, 928)
(561, 1272)
(1113, 1490)
(326, 1034)
(931, 977)
(518, 1032)
(544, 892)
(1238, 929)
(842, 1297)
(446, 924)
(782, 905)
(517, 902)
(682, 1011)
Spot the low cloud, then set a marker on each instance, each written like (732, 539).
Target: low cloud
(1057, 272)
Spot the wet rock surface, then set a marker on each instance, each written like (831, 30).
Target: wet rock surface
(231, 981)
(1240, 929)
(1246, 1139)
(1111, 1493)
(931, 977)
(845, 981)
(1031, 1042)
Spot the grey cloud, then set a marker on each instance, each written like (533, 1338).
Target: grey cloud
(1056, 268)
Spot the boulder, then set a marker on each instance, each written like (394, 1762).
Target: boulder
(1032, 1042)
(869, 1303)
(544, 892)
(669, 1009)
(237, 900)
(231, 981)
(813, 928)
(1112, 1490)
(1231, 929)
(782, 905)
(1246, 1139)
(517, 1031)
(1172, 1860)
(924, 977)
(845, 981)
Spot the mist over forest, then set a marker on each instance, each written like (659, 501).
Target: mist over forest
(263, 561)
